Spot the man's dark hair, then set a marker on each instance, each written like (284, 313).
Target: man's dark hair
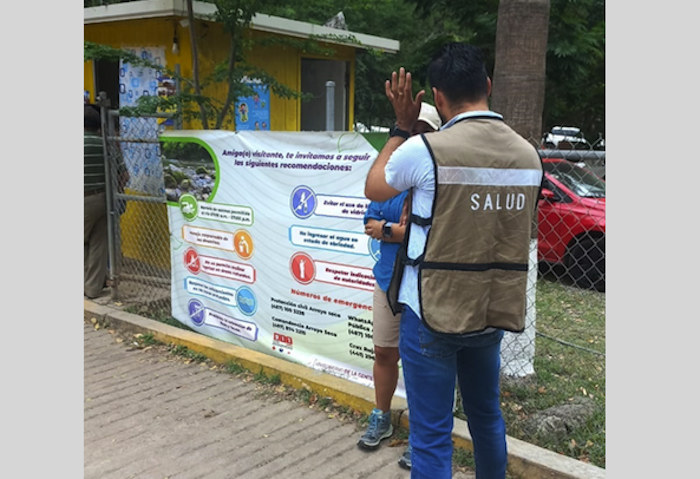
(92, 118)
(458, 71)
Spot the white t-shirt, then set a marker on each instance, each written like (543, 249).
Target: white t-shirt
(411, 166)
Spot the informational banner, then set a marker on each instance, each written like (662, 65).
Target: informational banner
(268, 244)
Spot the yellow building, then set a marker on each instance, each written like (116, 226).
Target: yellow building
(162, 26)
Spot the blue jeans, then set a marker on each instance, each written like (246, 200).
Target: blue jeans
(430, 363)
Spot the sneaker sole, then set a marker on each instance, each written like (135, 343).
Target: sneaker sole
(372, 446)
(404, 465)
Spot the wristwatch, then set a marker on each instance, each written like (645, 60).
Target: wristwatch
(396, 131)
(386, 230)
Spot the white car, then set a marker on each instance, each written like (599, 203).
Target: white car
(565, 138)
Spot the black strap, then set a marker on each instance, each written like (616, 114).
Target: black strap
(419, 220)
(474, 266)
(403, 257)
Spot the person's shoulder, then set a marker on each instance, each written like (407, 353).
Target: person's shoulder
(412, 148)
(415, 141)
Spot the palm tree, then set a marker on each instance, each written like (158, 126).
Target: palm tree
(520, 65)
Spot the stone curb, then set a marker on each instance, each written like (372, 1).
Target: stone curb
(525, 461)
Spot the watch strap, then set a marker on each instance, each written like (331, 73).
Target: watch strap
(396, 131)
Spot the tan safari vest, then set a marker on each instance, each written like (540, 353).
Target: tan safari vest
(472, 274)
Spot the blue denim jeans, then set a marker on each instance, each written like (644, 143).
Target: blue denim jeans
(430, 363)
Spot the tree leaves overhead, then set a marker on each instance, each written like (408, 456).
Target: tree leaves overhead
(575, 88)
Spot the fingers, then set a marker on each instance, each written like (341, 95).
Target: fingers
(400, 87)
(389, 93)
(419, 97)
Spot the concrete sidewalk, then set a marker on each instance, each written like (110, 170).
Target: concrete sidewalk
(149, 416)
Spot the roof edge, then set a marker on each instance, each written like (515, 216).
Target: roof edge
(261, 22)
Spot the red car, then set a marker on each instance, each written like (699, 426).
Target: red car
(572, 222)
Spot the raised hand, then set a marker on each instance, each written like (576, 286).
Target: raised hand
(400, 94)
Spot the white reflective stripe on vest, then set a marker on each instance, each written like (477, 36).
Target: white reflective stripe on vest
(466, 175)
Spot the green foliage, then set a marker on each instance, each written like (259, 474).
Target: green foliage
(233, 367)
(575, 92)
(463, 458)
(272, 380)
(185, 151)
(148, 339)
(185, 352)
(575, 85)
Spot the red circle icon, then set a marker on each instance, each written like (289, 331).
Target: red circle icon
(192, 261)
(302, 267)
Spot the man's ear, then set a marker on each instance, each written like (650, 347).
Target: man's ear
(488, 84)
(438, 98)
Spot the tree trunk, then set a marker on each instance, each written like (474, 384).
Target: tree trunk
(519, 75)
(520, 65)
(229, 81)
(195, 65)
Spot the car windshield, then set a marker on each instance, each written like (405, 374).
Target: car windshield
(577, 179)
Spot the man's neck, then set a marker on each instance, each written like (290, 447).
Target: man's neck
(466, 108)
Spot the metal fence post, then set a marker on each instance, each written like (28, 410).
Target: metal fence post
(178, 119)
(104, 103)
(330, 105)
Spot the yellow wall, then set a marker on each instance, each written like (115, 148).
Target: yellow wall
(282, 62)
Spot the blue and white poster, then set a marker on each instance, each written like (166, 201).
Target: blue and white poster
(253, 112)
(141, 159)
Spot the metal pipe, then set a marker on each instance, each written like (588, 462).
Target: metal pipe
(104, 103)
(330, 105)
(116, 265)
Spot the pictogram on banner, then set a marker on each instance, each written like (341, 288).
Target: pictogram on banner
(243, 243)
(302, 268)
(303, 202)
(196, 311)
(192, 262)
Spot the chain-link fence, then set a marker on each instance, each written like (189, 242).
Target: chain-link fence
(139, 250)
(553, 389)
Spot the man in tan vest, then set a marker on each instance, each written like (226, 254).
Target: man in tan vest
(461, 273)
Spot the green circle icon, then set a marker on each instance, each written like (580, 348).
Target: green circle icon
(189, 207)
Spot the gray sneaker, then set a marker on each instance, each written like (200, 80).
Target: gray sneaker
(405, 460)
(379, 428)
